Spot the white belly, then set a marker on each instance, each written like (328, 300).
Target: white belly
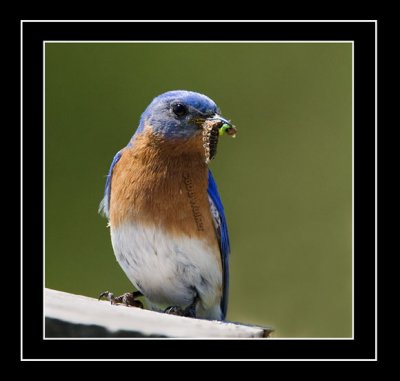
(169, 270)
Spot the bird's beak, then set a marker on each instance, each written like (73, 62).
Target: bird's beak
(220, 118)
(226, 125)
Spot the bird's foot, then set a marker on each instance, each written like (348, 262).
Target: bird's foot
(128, 299)
(189, 311)
(175, 310)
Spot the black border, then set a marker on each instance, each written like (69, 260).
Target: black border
(363, 345)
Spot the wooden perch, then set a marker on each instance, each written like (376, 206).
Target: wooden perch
(69, 315)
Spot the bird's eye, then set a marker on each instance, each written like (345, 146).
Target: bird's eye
(179, 109)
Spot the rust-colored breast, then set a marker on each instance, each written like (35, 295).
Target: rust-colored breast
(164, 183)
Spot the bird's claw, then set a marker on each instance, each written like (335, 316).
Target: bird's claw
(174, 310)
(178, 311)
(108, 295)
(128, 299)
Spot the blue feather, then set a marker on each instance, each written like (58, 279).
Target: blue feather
(223, 239)
(104, 207)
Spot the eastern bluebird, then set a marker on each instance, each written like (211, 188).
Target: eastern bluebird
(167, 222)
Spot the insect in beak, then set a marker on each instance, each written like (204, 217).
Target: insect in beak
(213, 128)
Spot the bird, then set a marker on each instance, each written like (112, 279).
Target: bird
(167, 222)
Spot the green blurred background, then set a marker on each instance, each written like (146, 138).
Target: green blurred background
(285, 180)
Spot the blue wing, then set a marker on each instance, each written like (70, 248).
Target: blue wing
(104, 207)
(217, 210)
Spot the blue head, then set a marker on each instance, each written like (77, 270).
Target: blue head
(179, 114)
